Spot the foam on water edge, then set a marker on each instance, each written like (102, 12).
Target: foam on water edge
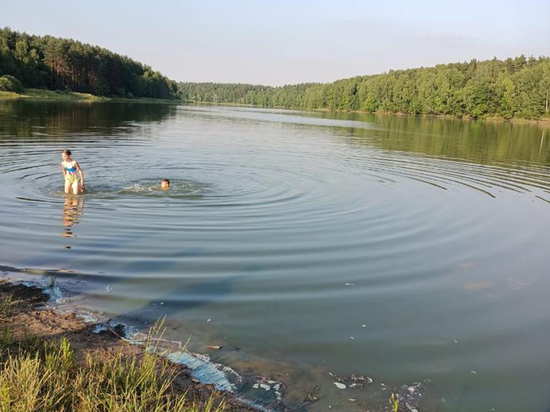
(201, 367)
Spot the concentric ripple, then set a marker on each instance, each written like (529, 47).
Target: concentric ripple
(365, 244)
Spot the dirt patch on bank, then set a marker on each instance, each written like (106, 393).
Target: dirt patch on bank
(24, 315)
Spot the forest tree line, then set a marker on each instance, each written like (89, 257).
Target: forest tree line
(516, 87)
(63, 64)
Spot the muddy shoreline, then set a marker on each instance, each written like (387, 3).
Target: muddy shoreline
(44, 311)
(26, 314)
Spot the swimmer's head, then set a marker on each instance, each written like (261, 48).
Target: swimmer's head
(66, 154)
(165, 184)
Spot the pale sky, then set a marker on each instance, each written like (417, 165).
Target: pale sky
(286, 42)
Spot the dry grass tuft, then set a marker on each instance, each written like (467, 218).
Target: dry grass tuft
(45, 376)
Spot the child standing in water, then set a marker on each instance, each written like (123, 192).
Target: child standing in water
(74, 178)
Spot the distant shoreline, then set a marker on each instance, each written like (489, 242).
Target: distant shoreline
(62, 96)
(544, 122)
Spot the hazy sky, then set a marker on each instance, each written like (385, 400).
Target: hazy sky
(285, 42)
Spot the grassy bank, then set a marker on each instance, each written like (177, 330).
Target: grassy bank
(58, 95)
(51, 361)
(46, 376)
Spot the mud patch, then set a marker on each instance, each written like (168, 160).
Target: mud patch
(24, 315)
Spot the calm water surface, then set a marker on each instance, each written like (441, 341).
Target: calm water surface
(406, 250)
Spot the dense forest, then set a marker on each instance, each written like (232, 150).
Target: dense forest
(62, 64)
(511, 88)
(518, 87)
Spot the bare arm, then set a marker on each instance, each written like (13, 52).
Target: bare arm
(79, 172)
(63, 170)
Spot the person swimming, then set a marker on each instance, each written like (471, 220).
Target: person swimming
(74, 178)
(165, 184)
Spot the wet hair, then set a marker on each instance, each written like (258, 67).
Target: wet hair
(167, 181)
(67, 152)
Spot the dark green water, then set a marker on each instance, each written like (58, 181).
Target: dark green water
(402, 249)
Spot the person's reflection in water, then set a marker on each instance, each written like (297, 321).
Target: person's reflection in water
(72, 214)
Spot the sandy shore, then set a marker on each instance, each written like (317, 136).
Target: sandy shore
(26, 314)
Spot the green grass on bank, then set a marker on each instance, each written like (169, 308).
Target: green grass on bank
(45, 376)
(9, 95)
(58, 95)
(39, 94)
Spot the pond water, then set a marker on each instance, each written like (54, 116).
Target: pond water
(305, 243)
